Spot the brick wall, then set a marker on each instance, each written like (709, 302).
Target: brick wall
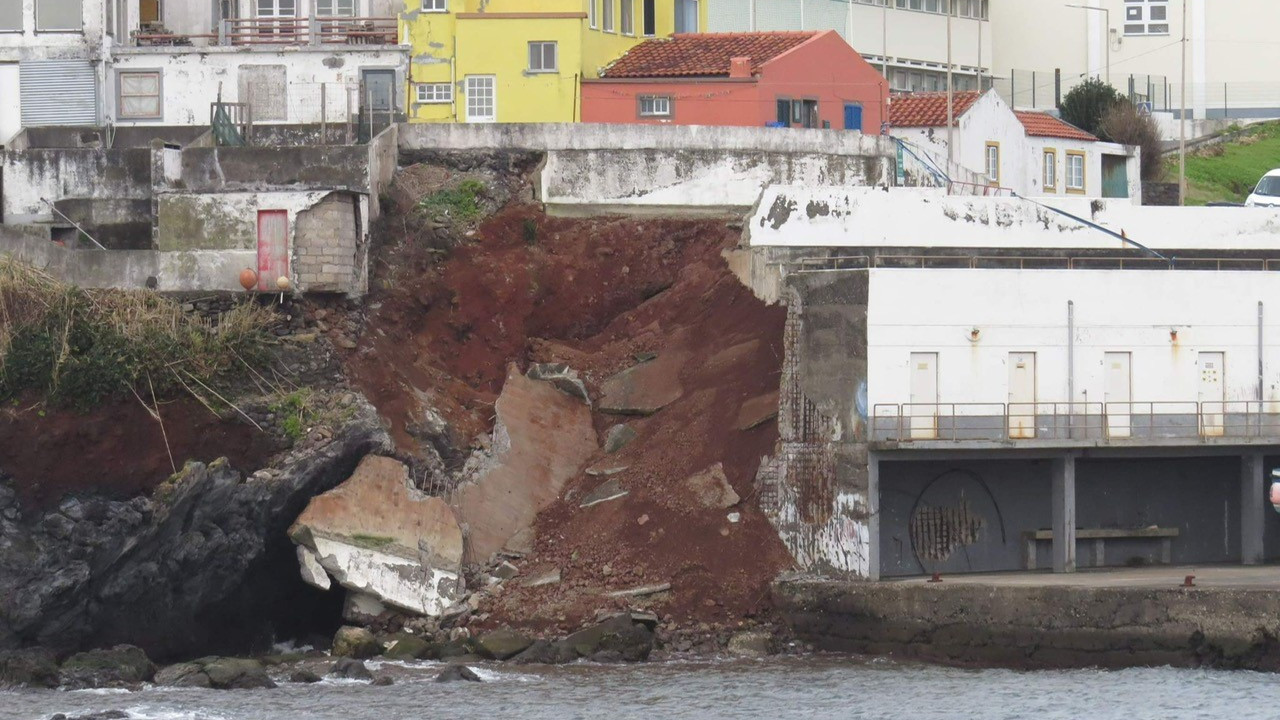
(325, 246)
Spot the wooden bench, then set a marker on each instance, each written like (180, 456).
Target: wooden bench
(1100, 536)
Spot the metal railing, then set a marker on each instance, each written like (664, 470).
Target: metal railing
(1030, 262)
(283, 31)
(1084, 421)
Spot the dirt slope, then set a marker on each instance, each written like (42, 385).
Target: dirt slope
(597, 294)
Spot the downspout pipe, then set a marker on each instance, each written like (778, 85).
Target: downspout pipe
(1071, 367)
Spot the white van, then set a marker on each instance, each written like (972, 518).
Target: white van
(1267, 192)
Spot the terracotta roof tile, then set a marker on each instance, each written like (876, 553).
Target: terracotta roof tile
(1040, 124)
(928, 109)
(703, 54)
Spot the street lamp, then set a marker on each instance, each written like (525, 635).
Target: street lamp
(1106, 34)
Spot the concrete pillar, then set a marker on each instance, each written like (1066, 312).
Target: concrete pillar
(1063, 470)
(1253, 507)
(873, 516)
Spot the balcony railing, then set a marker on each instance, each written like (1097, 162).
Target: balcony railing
(328, 31)
(1081, 421)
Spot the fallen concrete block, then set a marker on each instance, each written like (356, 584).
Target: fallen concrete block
(618, 437)
(711, 489)
(644, 389)
(640, 591)
(608, 490)
(757, 411)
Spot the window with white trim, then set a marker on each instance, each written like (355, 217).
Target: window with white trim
(435, 5)
(1075, 172)
(429, 93)
(336, 8)
(1146, 17)
(1049, 170)
(543, 57)
(482, 98)
(59, 15)
(606, 9)
(993, 163)
(655, 106)
(11, 16)
(591, 13)
(628, 17)
(138, 95)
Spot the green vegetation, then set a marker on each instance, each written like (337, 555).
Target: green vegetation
(295, 413)
(1088, 103)
(371, 542)
(1226, 172)
(78, 347)
(461, 202)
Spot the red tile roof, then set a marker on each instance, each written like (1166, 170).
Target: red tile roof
(1040, 124)
(703, 54)
(928, 109)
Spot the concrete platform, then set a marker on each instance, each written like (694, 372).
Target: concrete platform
(1104, 618)
(1259, 577)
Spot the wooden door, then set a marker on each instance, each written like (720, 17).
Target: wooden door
(273, 248)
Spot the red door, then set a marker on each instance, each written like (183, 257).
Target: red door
(273, 248)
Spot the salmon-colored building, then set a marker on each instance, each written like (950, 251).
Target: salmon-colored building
(787, 79)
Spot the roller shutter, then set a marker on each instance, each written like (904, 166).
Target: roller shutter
(58, 92)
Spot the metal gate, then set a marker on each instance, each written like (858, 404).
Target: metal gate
(58, 92)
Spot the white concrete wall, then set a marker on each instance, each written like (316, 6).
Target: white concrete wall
(31, 45)
(191, 79)
(911, 217)
(912, 310)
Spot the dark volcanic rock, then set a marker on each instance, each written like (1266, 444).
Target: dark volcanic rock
(35, 667)
(632, 641)
(217, 672)
(408, 647)
(543, 652)
(195, 568)
(502, 644)
(455, 673)
(350, 669)
(104, 715)
(304, 676)
(120, 666)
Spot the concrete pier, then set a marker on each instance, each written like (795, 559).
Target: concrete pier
(1105, 618)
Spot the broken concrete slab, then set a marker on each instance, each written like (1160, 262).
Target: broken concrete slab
(542, 439)
(757, 411)
(640, 591)
(564, 378)
(644, 389)
(380, 538)
(618, 437)
(711, 489)
(610, 489)
(551, 577)
(605, 470)
(313, 573)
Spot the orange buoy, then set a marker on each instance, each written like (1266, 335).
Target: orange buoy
(248, 279)
(282, 283)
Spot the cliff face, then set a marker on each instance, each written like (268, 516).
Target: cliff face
(203, 565)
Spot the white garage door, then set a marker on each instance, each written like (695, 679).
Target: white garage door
(58, 92)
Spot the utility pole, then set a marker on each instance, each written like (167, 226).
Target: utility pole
(884, 40)
(1182, 117)
(951, 106)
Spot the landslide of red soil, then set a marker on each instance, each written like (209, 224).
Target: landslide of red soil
(592, 293)
(116, 450)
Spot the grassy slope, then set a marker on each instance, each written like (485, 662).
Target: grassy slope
(1227, 177)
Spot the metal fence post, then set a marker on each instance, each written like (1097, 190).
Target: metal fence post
(1057, 87)
(223, 31)
(1033, 88)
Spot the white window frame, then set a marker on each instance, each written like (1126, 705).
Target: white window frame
(433, 93)
(276, 10)
(627, 19)
(591, 13)
(606, 15)
(660, 106)
(435, 6)
(1140, 18)
(992, 163)
(492, 81)
(336, 9)
(538, 51)
(1075, 157)
(159, 95)
(20, 20)
(77, 29)
(1049, 169)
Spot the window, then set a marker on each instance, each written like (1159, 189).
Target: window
(10, 15)
(606, 9)
(993, 163)
(434, 92)
(138, 95)
(797, 113)
(1049, 170)
(591, 13)
(1146, 17)
(650, 19)
(336, 8)
(686, 16)
(435, 5)
(63, 15)
(628, 17)
(655, 106)
(482, 99)
(277, 8)
(542, 57)
(1075, 172)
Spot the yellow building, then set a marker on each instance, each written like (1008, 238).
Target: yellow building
(524, 60)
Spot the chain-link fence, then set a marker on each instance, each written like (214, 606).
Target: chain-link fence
(1044, 89)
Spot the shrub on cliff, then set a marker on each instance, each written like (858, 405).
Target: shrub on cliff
(78, 347)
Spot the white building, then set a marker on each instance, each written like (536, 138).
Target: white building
(51, 62)
(1031, 153)
(1231, 56)
(292, 61)
(905, 39)
(985, 384)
